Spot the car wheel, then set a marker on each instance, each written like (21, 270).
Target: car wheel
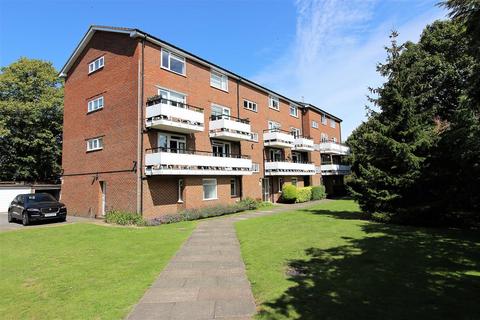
(10, 218)
(25, 219)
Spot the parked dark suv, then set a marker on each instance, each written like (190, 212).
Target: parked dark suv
(36, 206)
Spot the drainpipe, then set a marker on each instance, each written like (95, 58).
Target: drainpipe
(239, 143)
(140, 153)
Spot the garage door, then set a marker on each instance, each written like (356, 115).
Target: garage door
(7, 195)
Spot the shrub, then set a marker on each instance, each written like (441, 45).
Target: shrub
(318, 192)
(289, 193)
(304, 194)
(124, 218)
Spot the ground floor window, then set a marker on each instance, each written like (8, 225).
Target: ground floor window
(294, 181)
(180, 190)
(209, 189)
(233, 187)
(280, 184)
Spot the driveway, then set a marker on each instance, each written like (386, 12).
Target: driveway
(5, 226)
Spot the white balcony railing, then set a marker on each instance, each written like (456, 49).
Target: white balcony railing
(303, 144)
(229, 128)
(278, 138)
(334, 169)
(332, 147)
(162, 161)
(286, 168)
(174, 116)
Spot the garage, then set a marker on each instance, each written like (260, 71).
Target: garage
(8, 191)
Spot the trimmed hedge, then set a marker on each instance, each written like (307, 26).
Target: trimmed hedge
(124, 218)
(289, 193)
(304, 194)
(318, 192)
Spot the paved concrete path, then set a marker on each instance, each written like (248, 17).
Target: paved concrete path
(206, 279)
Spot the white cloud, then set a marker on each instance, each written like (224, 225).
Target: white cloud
(332, 60)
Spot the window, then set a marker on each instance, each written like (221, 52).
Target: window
(314, 124)
(255, 167)
(220, 112)
(272, 125)
(274, 103)
(324, 119)
(180, 190)
(209, 189)
(218, 80)
(275, 155)
(280, 184)
(334, 140)
(96, 64)
(254, 136)
(174, 143)
(332, 123)
(293, 110)
(294, 181)
(173, 96)
(295, 132)
(173, 62)
(249, 105)
(323, 137)
(221, 149)
(233, 187)
(95, 104)
(94, 144)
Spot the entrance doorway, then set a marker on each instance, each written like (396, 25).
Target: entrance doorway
(103, 203)
(266, 189)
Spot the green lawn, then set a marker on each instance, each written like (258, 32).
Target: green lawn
(82, 271)
(328, 263)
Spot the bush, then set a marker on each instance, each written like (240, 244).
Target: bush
(124, 218)
(304, 194)
(318, 192)
(289, 193)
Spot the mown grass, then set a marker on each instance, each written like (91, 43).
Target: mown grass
(82, 271)
(326, 262)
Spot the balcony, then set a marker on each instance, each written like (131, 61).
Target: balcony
(333, 147)
(278, 138)
(229, 128)
(303, 144)
(174, 116)
(334, 169)
(165, 161)
(288, 168)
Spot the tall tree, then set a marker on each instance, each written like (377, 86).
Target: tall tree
(31, 115)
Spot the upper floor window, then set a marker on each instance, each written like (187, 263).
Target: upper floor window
(272, 125)
(173, 62)
(296, 132)
(274, 103)
(324, 137)
(218, 80)
(172, 95)
(249, 105)
(334, 139)
(324, 119)
(314, 124)
(333, 123)
(293, 110)
(95, 104)
(96, 64)
(94, 144)
(254, 136)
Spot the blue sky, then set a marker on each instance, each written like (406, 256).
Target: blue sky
(322, 50)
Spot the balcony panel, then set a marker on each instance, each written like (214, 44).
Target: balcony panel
(165, 116)
(231, 130)
(278, 139)
(303, 144)
(334, 169)
(284, 168)
(333, 148)
(170, 163)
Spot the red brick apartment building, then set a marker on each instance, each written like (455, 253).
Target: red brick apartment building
(151, 128)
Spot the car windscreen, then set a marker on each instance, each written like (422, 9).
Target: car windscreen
(41, 197)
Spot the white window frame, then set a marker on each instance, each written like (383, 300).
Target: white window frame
(296, 132)
(295, 113)
(210, 182)
(250, 105)
(314, 124)
(226, 111)
(323, 137)
(271, 103)
(333, 123)
(272, 125)
(223, 80)
(94, 144)
(334, 139)
(234, 183)
(254, 136)
(324, 119)
(91, 104)
(172, 55)
(92, 65)
(169, 94)
(255, 167)
(181, 184)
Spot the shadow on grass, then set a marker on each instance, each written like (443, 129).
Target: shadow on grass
(392, 272)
